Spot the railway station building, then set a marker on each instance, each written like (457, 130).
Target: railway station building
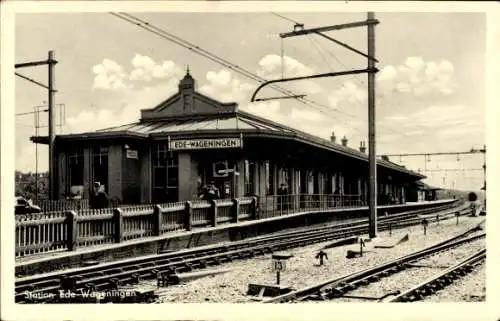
(189, 140)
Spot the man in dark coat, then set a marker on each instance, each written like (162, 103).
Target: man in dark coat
(98, 197)
(210, 192)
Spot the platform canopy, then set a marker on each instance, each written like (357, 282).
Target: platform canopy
(425, 187)
(190, 114)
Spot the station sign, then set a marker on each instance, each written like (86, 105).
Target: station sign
(215, 143)
(133, 154)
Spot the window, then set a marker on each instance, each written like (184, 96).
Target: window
(100, 165)
(327, 181)
(269, 178)
(339, 181)
(165, 175)
(316, 182)
(284, 177)
(249, 177)
(75, 168)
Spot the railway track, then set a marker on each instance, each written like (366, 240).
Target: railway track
(338, 287)
(441, 280)
(116, 274)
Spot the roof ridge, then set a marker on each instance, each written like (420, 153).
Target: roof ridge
(348, 150)
(113, 127)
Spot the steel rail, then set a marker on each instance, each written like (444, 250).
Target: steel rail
(171, 260)
(117, 270)
(143, 260)
(441, 280)
(238, 244)
(337, 286)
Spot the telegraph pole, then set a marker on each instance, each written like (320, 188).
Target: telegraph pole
(371, 70)
(372, 156)
(51, 62)
(52, 175)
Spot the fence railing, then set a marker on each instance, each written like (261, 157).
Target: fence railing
(73, 228)
(64, 205)
(277, 205)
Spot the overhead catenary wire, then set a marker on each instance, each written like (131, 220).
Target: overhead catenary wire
(315, 43)
(313, 39)
(355, 77)
(319, 48)
(164, 34)
(285, 18)
(326, 110)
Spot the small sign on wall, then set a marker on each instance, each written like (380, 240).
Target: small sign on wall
(133, 154)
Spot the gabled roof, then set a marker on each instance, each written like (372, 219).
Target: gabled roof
(161, 111)
(194, 114)
(237, 122)
(225, 122)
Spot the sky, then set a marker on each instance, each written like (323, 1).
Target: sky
(429, 90)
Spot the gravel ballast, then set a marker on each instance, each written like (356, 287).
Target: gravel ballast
(303, 269)
(469, 288)
(424, 270)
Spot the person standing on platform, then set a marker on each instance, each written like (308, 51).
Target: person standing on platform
(210, 192)
(98, 197)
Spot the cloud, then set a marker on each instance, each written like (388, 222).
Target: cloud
(414, 82)
(309, 121)
(418, 77)
(349, 93)
(145, 62)
(109, 75)
(223, 86)
(271, 67)
(271, 110)
(121, 111)
(146, 69)
(415, 77)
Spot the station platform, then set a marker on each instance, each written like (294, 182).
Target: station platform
(200, 237)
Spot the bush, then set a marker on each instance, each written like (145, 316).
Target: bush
(26, 185)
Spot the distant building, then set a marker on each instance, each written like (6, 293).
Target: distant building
(190, 139)
(419, 191)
